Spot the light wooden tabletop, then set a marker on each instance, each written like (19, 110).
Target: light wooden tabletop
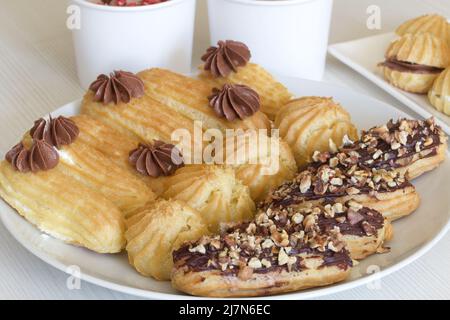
(37, 75)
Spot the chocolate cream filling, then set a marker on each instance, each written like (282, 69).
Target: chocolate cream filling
(403, 66)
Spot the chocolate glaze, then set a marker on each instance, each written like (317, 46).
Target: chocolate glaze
(373, 217)
(367, 222)
(374, 139)
(403, 66)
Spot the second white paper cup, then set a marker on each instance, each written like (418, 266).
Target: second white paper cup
(289, 37)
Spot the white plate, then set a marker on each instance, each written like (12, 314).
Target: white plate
(363, 55)
(414, 235)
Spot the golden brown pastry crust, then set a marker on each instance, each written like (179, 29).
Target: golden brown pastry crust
(60, 205)
(307, 125)
(430, 23)
(97, 171)
(419, 167)
(281, 250)
(267, 167)
(362, 247)
(393, 205)
(212, 190)
(155, 232)
(272, 93)
(173, 102)
(439, 94)
(411, 82)
(424, 49)
(421, 49)
(213, 284)
(408, 147)
(189, 97)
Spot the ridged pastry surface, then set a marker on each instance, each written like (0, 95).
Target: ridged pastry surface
(424, 49)
(144, 118)
(268, 163)
(307, 125)
(155, 232)
(411, 82)
(189, 97)
(60, 205)
(95, 170)
(439, 95)
(431, 23)
(214, 191)
(273, 94)
(116, 146)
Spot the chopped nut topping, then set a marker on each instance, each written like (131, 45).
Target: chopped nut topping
(352, 191)
(245, 273)
(297, 218)
(283, 258)
(283, 238)
(305, 183)
(200, 249)
(254, 263)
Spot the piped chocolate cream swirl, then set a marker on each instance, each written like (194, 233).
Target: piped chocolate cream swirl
(279, 240)
(234, 102)
(157, 159)
(119, 86)
(40, 157)
(56, 132)
(18, 157)
(226, 58)
(394, 145)
(404, 66)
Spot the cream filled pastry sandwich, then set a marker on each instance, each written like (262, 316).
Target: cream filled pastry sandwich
(414, 61)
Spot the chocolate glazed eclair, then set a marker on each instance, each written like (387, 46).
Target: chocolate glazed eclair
(281, 250)
(410, 147)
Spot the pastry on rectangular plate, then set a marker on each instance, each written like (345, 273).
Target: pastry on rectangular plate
(410, 147)
(228, 63)
(280, 251)
(388, 192)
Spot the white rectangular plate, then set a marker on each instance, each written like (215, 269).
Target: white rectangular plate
(363, 55)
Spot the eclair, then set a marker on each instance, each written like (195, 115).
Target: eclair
(410, 147)
(281, 250)
(388, 192)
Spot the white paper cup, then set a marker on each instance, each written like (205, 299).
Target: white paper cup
(289, 37)
(133, 38)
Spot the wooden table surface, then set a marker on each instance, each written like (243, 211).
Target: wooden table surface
(37, 75)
